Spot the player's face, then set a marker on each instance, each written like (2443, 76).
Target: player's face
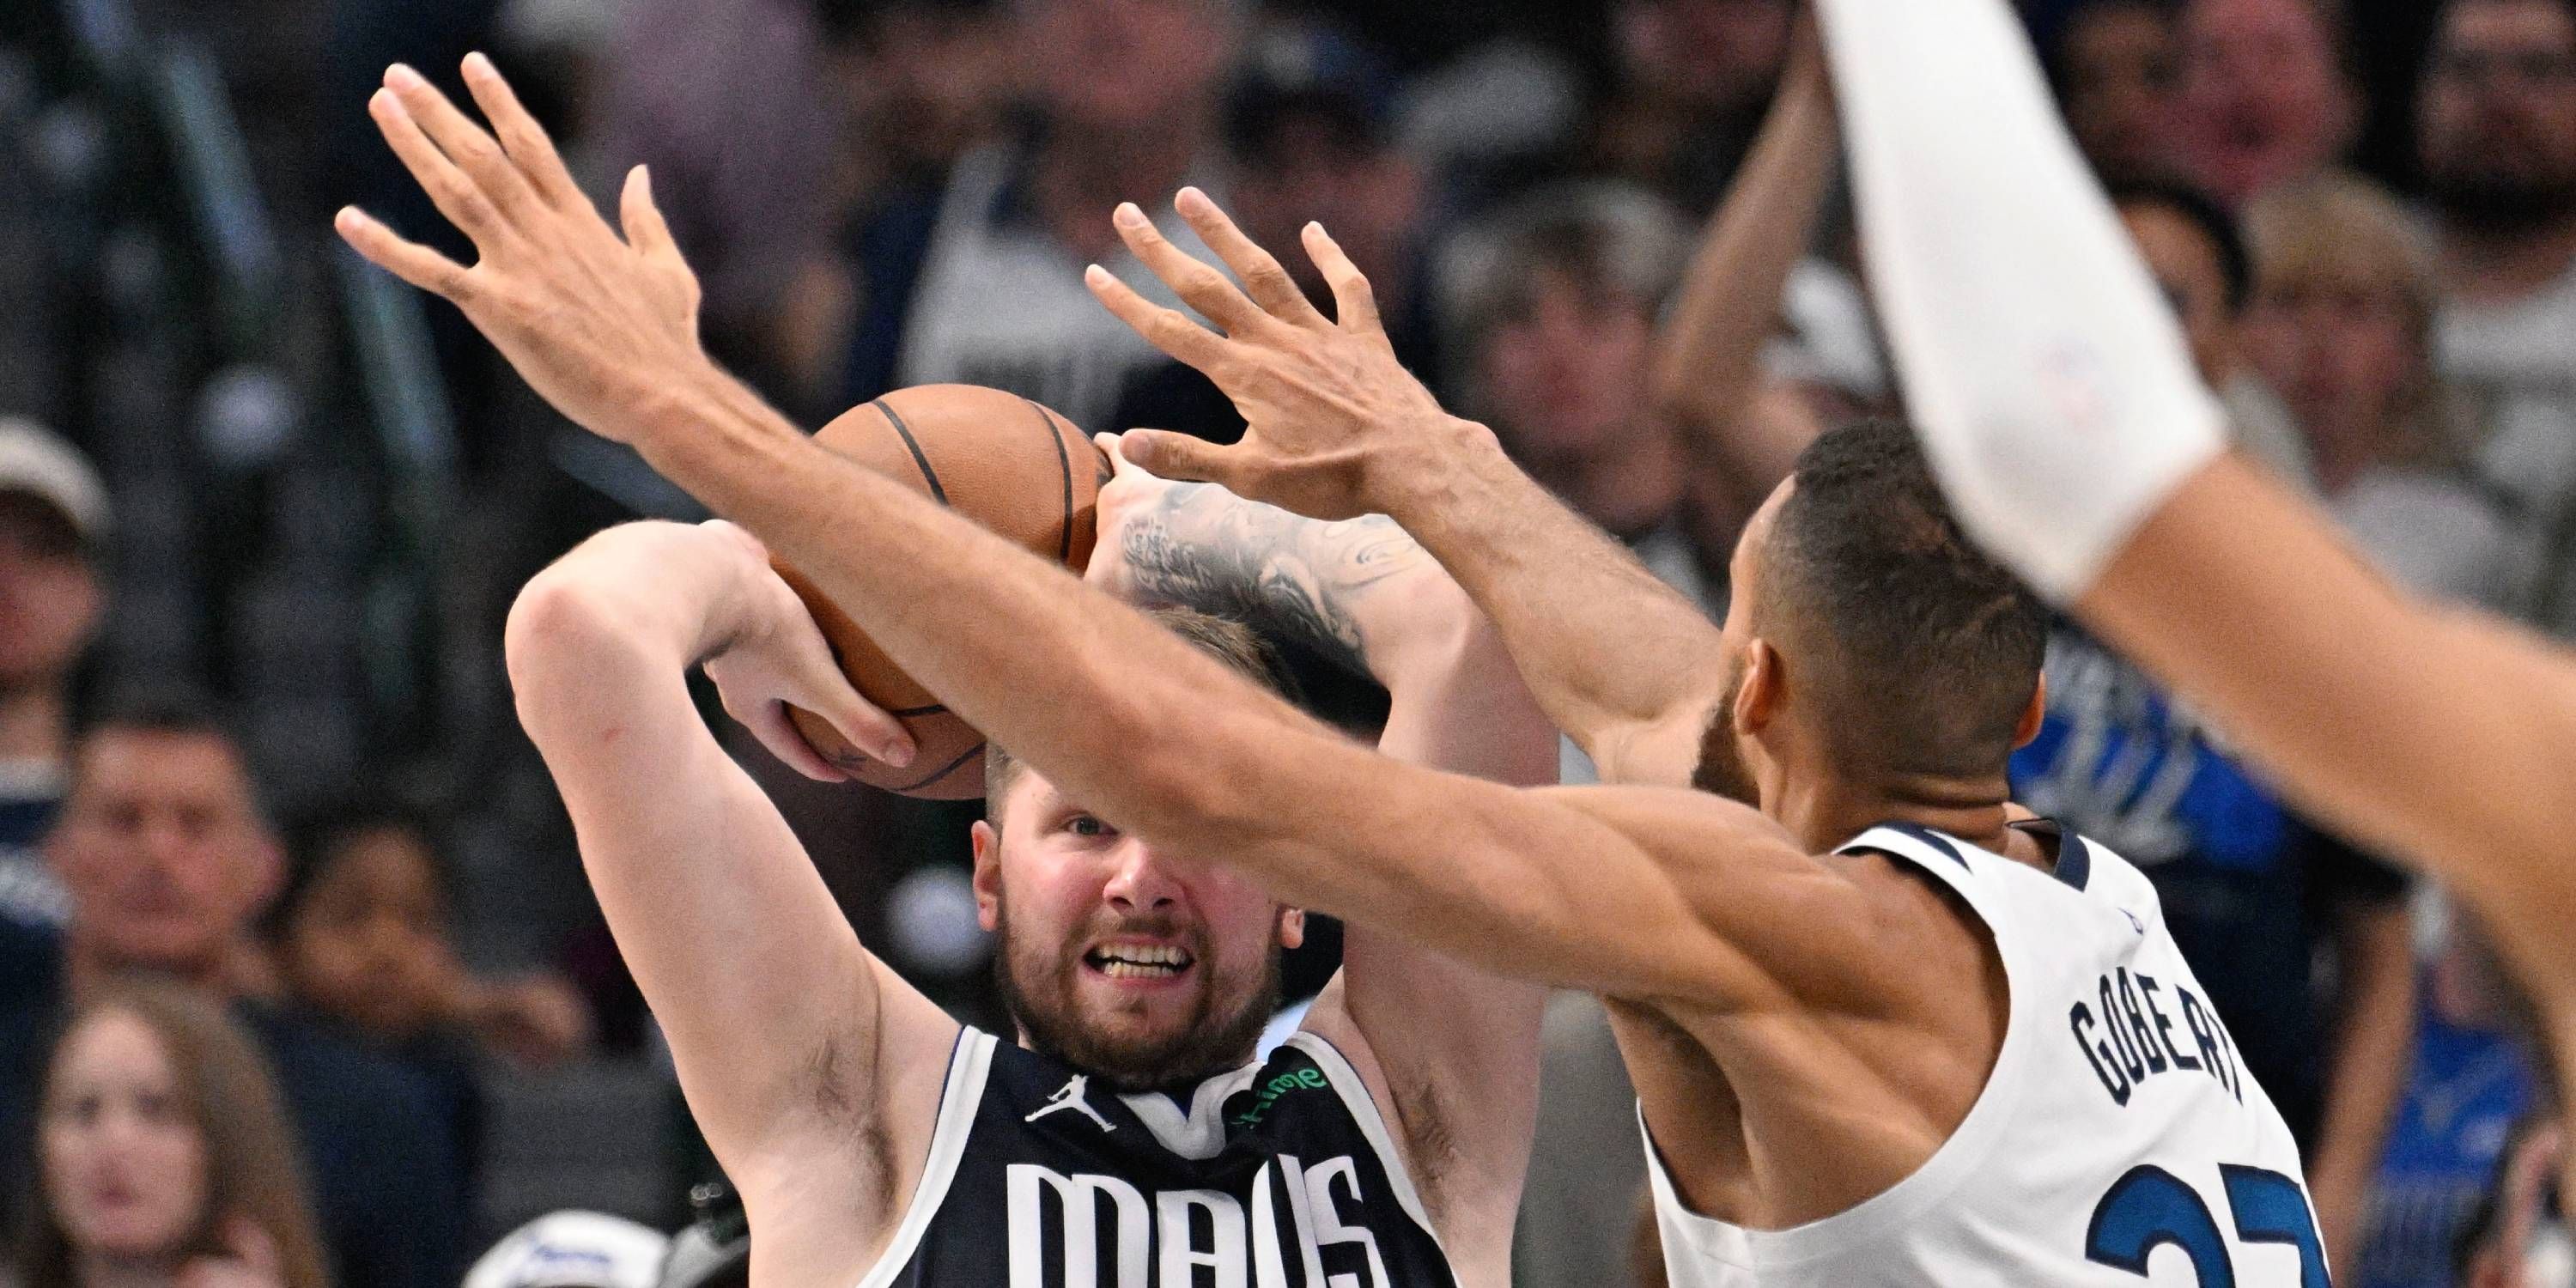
(161, 849)
(123, 1161)
(1726, 755)
(1118, 959)
(2498, 109)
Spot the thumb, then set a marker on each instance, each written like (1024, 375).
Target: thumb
(1174, 456)
(251, 1245)
(645, 229)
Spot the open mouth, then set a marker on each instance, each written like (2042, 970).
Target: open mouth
(1139, 961)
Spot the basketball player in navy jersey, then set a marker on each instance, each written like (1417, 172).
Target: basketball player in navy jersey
(1948, 1050)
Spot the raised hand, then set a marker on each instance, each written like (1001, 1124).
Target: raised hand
(250, 1260)
(601, 325)
(1338, 427)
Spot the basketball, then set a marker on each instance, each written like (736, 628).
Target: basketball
(1019, 469)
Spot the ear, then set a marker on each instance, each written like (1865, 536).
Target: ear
(2032, 715)
(266, 875)
(1292, 927)
(988, 875)
(1758, 700)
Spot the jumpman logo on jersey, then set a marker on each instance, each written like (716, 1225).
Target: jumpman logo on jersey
(1071, 1097)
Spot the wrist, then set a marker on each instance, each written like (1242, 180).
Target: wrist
(1449, 455)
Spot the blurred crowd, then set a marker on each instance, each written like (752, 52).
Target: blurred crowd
(298, 981)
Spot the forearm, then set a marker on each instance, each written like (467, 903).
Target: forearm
(673, 590)
(1117, 711)
(1710, 361)
(1621, 662)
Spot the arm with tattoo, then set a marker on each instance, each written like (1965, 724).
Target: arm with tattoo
(1357, 591)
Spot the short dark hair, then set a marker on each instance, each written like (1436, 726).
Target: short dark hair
(1241, 648)
(1923, 651)
(321, 835)
(172, 710)
(2202, 211)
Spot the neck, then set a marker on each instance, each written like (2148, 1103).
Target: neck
(2497, 266)
(2340, 456)
(98, 1270)
(1629, 491)
(34, 724)
(1826, 812)
(1082, 174)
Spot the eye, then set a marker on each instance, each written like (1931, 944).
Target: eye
(1087, 826)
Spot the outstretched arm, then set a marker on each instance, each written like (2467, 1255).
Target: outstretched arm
(791, 1040)
(1708, 368)
(1659, 894)
(1622, 663)
(2055, 398)
(1450, 1044)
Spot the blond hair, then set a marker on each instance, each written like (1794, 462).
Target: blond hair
(2343, 232)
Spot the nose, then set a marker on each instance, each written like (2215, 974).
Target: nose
(1138, 880)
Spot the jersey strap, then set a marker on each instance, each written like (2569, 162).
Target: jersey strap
(968, 1066)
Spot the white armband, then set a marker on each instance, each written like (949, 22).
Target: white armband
(2042, 367)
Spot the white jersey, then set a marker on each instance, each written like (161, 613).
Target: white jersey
(2118, 1141)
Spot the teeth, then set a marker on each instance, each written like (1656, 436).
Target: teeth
(1116, 968)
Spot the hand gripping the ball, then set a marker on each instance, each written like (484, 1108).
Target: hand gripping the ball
(1337, 427)
(779, 661)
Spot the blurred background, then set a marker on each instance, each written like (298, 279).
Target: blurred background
(261, 503)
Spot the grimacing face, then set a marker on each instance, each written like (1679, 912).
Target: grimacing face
(1141, 968)
(122, 1158)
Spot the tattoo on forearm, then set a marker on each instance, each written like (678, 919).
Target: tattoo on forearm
(1296, 578)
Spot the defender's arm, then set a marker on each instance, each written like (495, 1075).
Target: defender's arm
(786, 1032)
(1672, 893)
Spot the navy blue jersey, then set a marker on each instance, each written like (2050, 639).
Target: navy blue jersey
(1278, 1175)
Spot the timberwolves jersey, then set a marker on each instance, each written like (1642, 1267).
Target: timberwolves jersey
(2117, 1142)
(1277, 1175)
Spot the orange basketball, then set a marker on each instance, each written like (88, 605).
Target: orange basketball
(1005, 462)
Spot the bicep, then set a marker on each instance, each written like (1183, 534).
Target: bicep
(774, 1012)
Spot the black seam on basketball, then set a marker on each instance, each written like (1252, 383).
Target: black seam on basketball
(928, 475)
(1064, 466)
(907, 713)
(944, 770)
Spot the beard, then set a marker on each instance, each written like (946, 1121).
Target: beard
(2497, 199)
(1038, 983)
(1721, 770)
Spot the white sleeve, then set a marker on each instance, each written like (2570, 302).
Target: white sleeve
(2041, 365)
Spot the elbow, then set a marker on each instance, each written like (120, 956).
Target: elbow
(557, 645)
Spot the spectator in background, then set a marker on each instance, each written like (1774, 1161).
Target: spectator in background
(53, 517)
(361, 936)
(1693, 76)
(2519, 1237)
(2197, 252)
(162, 1157)
(2341, 325)
(168, 861)
(1547, 315)
(2472, 1078)
(981, 282)
(2267, 96)
(2114, 65)
(1308, 133)
(2496, 134)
